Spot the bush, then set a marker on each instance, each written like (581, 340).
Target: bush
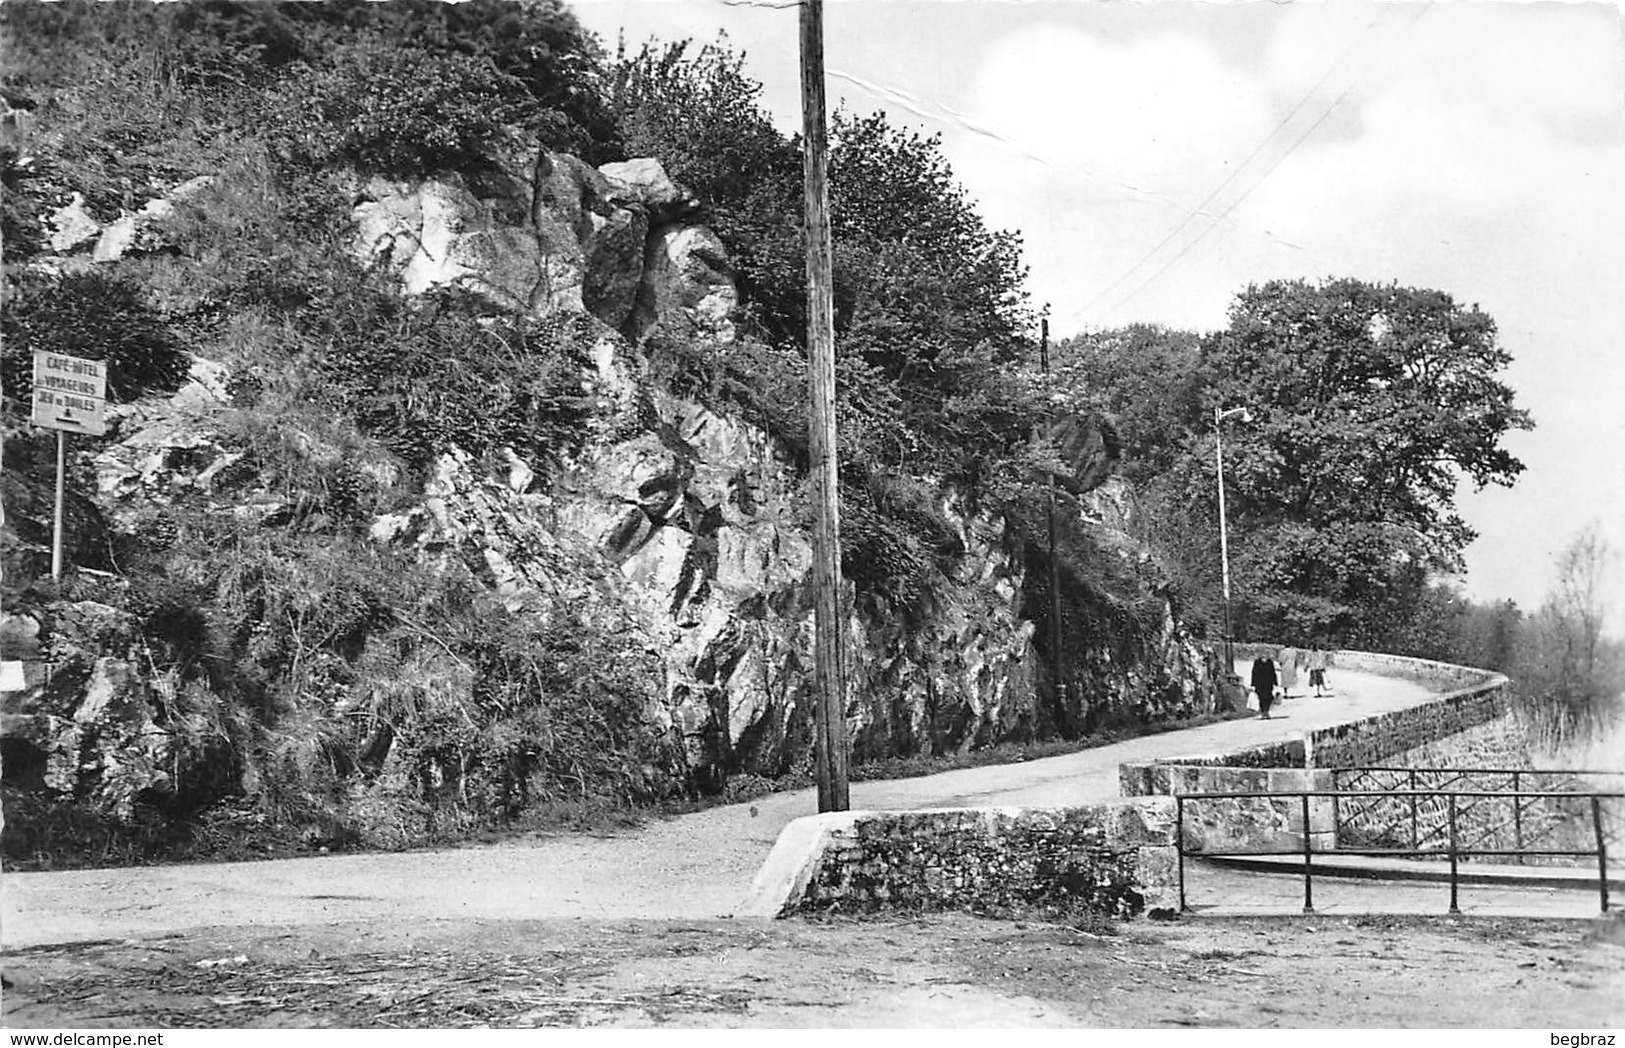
(424, 377)
(22, 231)
(401, 112)
(97, 316)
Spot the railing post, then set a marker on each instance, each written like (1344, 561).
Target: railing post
(1308, 878)
(1337, 811)
(1602, 851)
(1415, 839)
(1453, 907)
(1179, 846)
(1517, 817)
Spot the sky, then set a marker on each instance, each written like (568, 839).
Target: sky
(1159, 157)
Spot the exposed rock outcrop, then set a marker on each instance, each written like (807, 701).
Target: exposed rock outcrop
(72, 229)
(559, 235)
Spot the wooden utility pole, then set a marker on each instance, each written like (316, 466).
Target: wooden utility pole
(1054, 564)
(828, 654)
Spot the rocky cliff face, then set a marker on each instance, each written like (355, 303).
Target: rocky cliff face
(696, 521)
(703, 516)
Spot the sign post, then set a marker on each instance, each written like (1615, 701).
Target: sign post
(70, 396)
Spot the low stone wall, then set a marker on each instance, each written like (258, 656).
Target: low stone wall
(1499, 743)
(1386, 737)
(1118, 858)
(1468, 724)
(1230, 825)
(1261, 825)
(1444, 675)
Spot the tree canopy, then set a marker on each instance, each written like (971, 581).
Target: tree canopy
(1369, 403)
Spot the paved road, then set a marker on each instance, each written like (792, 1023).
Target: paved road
(696, 866)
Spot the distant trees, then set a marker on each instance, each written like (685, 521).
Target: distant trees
(1569, 672)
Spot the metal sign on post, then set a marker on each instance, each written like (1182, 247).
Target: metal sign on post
(70, 396)
(70, 393)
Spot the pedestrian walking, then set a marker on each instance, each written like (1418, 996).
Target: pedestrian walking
(1264, 680)
(1286, 669)
(1320, 662)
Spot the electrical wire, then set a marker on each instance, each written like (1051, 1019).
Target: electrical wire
(1201, 208)
(947, 116)
(1119, 303)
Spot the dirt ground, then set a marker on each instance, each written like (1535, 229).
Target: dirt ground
(941, 970)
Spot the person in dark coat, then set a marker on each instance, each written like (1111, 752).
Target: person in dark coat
(1264, 684)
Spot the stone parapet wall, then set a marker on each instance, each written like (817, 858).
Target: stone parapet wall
(1502, 742)
(1118, 858)
(1386, 737)
(1468, 724)
(1164, 780)
(1445, 675)
(1261, 825)
(1229, 825)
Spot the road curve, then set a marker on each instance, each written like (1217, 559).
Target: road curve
(691, 867)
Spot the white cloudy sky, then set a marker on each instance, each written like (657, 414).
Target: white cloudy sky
(1160, 156)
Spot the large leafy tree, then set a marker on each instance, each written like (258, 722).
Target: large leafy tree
(929, 301)
(1370, 404)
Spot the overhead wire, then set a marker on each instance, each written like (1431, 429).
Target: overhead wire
(937, 113)
(1201, 208)
(1124, 300)
(944, 115)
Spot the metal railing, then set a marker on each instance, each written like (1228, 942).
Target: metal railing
(1528, 822)
(1605, 830)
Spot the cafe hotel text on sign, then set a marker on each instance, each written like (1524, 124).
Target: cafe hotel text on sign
(70, 393)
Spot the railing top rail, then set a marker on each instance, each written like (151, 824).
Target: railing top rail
(1442, 792)
(1480, 771)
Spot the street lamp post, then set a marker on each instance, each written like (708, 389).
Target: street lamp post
(1224, 536)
